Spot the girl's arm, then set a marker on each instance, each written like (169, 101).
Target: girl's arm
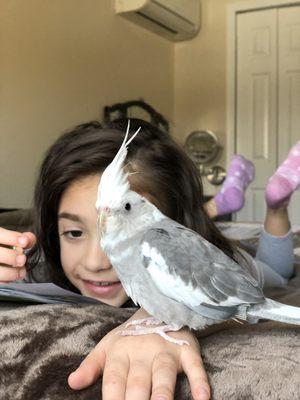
(142, 367)
(12, 246)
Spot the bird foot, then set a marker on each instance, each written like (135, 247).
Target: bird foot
(159, 330)
(144, 321)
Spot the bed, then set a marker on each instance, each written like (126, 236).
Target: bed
(40, 345)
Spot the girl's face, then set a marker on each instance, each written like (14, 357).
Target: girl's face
(83, 261)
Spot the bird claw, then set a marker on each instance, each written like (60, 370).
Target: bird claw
(159, 330)
(144, 321)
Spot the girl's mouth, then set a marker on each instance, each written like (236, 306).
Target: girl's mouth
(105, 289)
(102, 283)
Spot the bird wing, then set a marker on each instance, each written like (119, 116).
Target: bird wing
(189, 269)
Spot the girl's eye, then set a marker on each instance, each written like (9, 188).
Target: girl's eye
(73, 234)
(127, 206)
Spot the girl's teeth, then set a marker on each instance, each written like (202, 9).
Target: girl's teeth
(102, 283)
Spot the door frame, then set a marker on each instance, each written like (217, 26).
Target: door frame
(233, 10)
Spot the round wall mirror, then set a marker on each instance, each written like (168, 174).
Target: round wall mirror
(202, 146)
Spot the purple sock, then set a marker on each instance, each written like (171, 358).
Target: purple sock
(285, 180)
(231, 197)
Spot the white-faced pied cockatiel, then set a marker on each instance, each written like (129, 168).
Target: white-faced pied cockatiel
(176, 275)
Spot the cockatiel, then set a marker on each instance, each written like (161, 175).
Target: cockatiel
(176, 275)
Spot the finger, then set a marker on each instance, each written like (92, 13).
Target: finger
(9, 274)
(13, 238)
(31, 239)
(114, 378)
(89, 370)
(194, 369)
(164, 374)
(9, 238)
(12, 257)
(139, 381)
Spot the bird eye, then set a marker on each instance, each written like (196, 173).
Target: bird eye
(127, 206)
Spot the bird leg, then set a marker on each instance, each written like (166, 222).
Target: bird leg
(144, 321)
(159, 330)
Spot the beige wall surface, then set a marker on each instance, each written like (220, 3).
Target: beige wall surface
(61, 61)
(200, 77)
(200, 74)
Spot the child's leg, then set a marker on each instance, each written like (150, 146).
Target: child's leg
(276, 244)
(285, 180)
(267, 276)
(277, 253)
(275, 249)
(211, 208)
(231, 197)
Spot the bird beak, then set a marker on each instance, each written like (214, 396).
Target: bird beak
(102, 218)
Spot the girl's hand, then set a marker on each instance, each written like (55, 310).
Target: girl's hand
(12, 246)
(142, 367)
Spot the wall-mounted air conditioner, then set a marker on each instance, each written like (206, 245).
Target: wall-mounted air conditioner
(173, 19)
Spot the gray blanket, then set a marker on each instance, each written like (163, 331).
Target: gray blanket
(41, 345)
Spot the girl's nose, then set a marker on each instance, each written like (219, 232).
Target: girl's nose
(96, 260)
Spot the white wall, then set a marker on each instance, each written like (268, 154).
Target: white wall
(200, 78)
(61, 62)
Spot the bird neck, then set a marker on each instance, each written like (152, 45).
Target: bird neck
(123, 230)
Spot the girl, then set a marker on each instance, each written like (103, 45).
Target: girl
(65, 225)
(67, 239)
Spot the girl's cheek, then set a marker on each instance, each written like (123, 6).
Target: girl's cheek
(68, 257)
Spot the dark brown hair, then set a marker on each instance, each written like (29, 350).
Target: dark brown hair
(165, 173)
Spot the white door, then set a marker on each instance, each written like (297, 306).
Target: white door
(256, 103)
(289, 90)
(268, 93)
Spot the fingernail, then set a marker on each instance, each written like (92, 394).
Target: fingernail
(22, 274)
(202, 394)
(22, 240)
(20, 260)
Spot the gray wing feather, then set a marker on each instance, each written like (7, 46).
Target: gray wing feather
(201, 264)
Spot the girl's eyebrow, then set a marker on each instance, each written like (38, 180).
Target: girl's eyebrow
(72, 217)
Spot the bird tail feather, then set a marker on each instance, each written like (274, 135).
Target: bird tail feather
(275, 311)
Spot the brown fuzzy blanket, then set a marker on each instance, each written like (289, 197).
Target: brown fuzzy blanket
(41, 345)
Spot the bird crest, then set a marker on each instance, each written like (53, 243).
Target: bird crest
(114, 183)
